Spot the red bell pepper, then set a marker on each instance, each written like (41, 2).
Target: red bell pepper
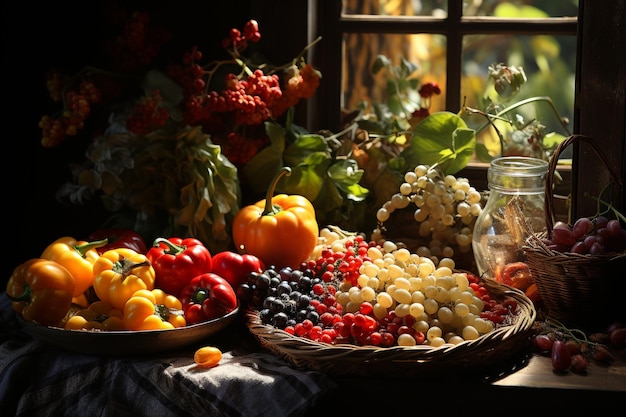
(176, 261)
(235, 267)
(208, 296)
(119, 238)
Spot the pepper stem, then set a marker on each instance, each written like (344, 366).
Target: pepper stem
(83, 248)
(172, 248)
(269, 207)
(25, 296)
(125, 267)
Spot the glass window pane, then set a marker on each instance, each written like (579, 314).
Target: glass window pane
(427, 52)
(435, 8)
(521, 9)
(549, 63)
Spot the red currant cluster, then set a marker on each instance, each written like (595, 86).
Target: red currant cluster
(342, 265)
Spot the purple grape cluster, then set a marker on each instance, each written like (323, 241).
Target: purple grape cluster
(588, 236)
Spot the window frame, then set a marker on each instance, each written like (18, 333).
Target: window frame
(598, 43)
(333, 25)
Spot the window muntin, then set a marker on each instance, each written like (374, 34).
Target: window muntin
(439, 8)
(463, 47)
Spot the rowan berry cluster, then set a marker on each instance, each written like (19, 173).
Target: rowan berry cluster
(129, 53)
(228, 109)
(246, 99)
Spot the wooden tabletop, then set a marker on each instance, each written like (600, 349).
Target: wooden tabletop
(530, 387)
(538, 374)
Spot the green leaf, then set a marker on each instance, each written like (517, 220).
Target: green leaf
(482, 153)
(328, 199)
(395, 105)
(346, 175)
(552, 140)
(260, 170)
(442, 138)
(303, 146)
(277, 135)
(305, 180)
(406, 68)
(381, 62)
(511, 10)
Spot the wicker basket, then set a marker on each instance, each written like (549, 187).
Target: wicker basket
(579, 290)
(486, 352)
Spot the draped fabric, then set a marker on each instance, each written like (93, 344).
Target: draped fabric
(39, 380)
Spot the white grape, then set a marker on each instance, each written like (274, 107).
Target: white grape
(406, 188)
(410, 177)
(382, 215)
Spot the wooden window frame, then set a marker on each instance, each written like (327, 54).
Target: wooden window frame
(600, 95)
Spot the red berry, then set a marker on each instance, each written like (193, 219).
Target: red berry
(578, 364)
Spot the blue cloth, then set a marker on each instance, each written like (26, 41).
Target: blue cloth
(36, 379)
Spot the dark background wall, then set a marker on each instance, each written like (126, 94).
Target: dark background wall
(68, 34)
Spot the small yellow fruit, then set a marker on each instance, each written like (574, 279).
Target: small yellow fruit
(207, 356)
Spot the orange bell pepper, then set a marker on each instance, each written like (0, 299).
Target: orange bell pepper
(41, 291)
(119, 273)
(280, 230)
(99, 315)
(78, 257)
(153, 310)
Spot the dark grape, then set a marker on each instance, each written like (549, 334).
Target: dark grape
(613, 228)
(600, 222)
(580, 247)
(563, 236)
(561, 357)
(596, 236)
(581, 227)
(543, 343)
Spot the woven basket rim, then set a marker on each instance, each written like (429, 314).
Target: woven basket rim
(402, 361)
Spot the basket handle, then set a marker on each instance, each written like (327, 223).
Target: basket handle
(554, 159)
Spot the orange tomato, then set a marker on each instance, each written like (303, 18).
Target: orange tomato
(207, 356)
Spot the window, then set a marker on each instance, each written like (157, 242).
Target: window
(453, 43)
(591, 45)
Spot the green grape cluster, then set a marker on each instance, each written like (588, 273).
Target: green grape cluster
(445, 207)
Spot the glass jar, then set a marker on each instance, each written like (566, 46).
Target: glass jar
(514, 208)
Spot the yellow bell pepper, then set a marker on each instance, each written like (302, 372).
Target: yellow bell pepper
(99, 315)
(153, 310)
(119, 273)
(78, 257)
(41, 291)
(280, 230)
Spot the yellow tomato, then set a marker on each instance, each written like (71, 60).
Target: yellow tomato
(207, 356)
